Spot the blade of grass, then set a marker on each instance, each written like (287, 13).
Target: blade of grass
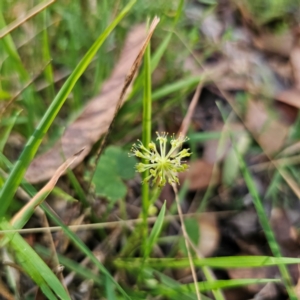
(18, 171)
(48, 72)
(5, 134)
(217, 284)
(186, 83)
(71, 265)
(155, 231)
(213, 262)
(146, 138)
(34, 266)
(158, 53)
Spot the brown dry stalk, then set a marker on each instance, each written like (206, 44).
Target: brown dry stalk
(188, 117)
(34, 11)
(112, 224)
(186, 240)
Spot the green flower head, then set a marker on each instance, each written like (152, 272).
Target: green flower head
(163, 166)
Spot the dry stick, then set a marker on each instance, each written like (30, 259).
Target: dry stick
(112, 224)
(34, 11)
(285, 161)
(185, 235)
(54, 257)
(188, 117)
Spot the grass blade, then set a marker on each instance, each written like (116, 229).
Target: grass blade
(155, 231)
(217, 284)
(4, 136)
(213, 262)
(34, 266)
(146, 136)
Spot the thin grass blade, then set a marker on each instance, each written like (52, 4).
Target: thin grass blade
(155, 232)
(34, 266)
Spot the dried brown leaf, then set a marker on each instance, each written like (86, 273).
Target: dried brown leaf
(199, 175)
(244, 273)
(269, 131)
(99, 112)
(209, 234)
(290, 97)
(282, 228)
(295, 63)
(280, 44)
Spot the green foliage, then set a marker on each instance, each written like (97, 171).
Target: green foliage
(155, 232)
(113, 167)
(33, 265)
(192, 229)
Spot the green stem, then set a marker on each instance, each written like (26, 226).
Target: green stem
(146, 137)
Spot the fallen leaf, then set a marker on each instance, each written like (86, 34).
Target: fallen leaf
(282, 228)
(199, 174)
(243, 273)
(99, 112)
(209, 234)
(280, 44)
(264, 125)
(295, 63)
(290, 97)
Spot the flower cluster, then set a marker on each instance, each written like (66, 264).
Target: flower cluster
(163, 166)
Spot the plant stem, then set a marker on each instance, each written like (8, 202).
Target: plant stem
(146, 137)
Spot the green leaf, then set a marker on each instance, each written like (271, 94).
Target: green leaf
(33, 265)
(214, 262)
(155, 231)
(4, 95)
(192, 229)
(5, 134)
(113, 166)
(217, 284)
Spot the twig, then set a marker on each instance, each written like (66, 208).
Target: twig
(186, 238)
(34, 11)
